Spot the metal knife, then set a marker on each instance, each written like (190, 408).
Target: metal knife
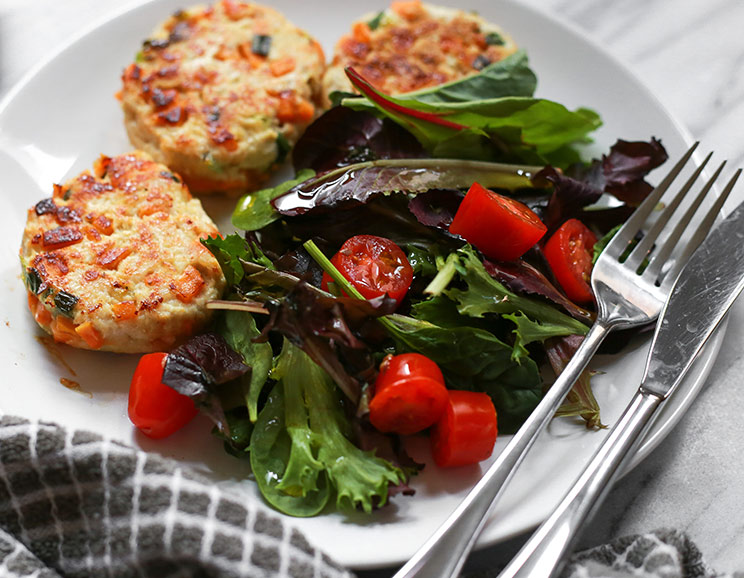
(706, 289)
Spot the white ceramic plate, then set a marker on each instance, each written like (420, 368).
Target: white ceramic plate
(63, 115)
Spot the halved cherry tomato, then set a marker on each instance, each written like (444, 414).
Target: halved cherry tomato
(467, 431)
(569, 253)
(156, 409)
(501, 227)
(374, 265)
(410, 394)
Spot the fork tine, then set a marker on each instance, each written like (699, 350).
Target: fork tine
(644, 246)
(660, 256)
(700, 233)
(616, 247)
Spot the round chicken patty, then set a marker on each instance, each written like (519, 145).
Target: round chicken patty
(221, 93)
(413, 45)
(113, 260)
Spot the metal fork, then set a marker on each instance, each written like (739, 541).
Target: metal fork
(631, 281)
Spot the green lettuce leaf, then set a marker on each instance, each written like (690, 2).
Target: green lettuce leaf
(484, 294)
(230, 251)
(529, 331)
(300, 446)
(239, 330)
(273, 453)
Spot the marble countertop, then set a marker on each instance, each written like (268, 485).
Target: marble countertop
(690, 54)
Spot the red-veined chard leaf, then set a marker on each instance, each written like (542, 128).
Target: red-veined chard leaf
(508, 128)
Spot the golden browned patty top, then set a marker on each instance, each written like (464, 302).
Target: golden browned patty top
(413, 45)
(219, 93)
(113, 260)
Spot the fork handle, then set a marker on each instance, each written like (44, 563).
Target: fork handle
(544, 553)
(444, 553)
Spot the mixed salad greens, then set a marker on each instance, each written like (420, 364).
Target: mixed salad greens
(288, 372)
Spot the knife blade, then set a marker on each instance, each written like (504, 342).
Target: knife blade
(706, 289)
(704, 292)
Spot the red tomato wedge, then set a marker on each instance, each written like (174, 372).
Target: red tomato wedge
(410, 394)
(501, 227)
(467, 431)
(569, 253)
(374, 266)
(156, 409)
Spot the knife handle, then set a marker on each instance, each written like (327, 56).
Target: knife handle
(544, 553)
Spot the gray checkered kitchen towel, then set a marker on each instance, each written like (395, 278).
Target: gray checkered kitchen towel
(73, 503)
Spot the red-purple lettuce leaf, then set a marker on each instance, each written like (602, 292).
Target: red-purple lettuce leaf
(342, 136)
(626, 166)
(569, 197)
(197, 368)
(521, 277)
(435, 208)
(333, 332)
(620, 173)
(359, 183)
(384, 216)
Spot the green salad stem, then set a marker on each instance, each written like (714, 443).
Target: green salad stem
(444, 276)
(341, 281)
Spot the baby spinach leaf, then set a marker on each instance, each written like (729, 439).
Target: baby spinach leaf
(254, 210)
(474, 359)
(237, 438)
(511, 76)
